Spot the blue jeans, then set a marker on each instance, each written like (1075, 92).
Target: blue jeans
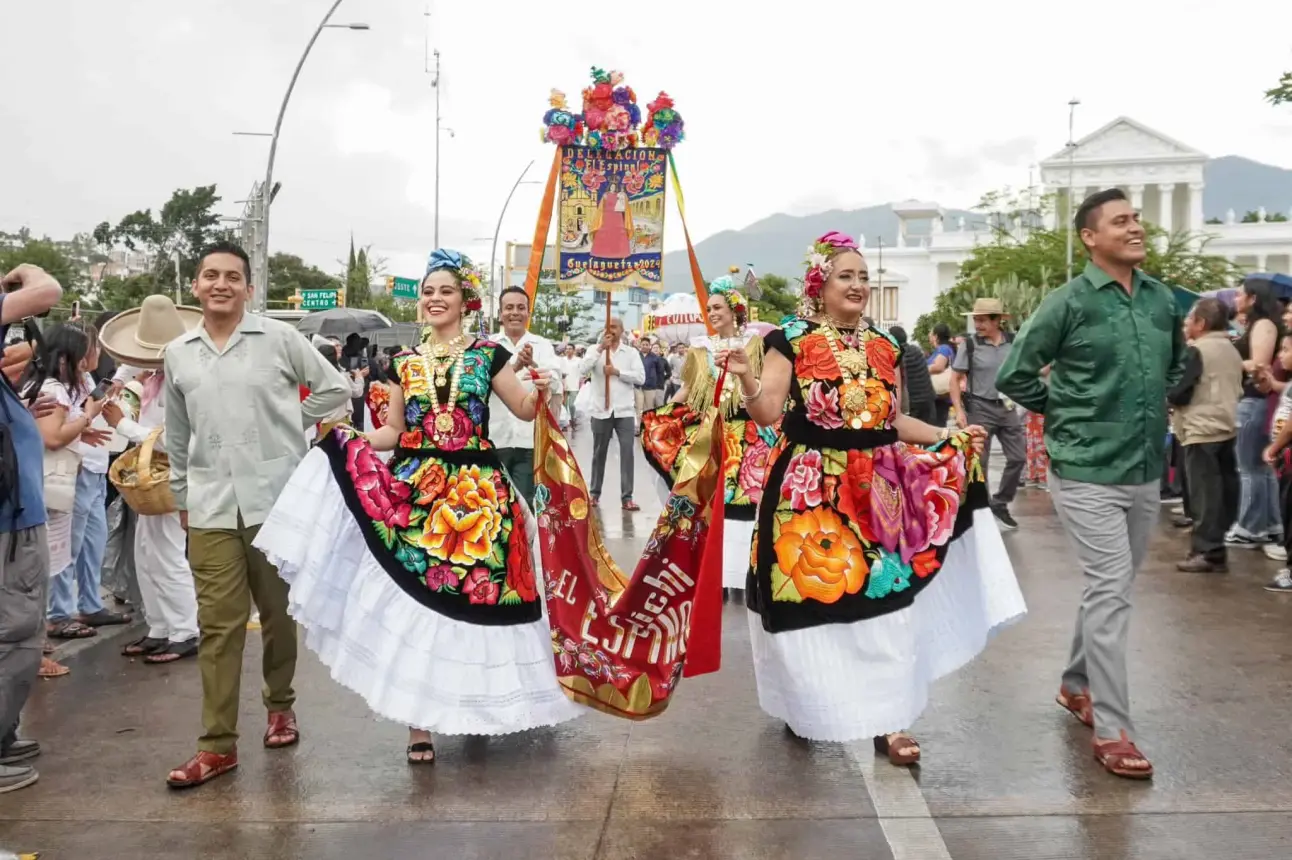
(1260, 515)
(77, 586)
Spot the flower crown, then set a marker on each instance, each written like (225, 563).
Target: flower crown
(468, 274)
(818, 260)
(725, 286)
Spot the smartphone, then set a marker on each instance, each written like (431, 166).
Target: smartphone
(101, 390)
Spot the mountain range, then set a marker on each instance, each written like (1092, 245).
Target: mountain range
(776, 244)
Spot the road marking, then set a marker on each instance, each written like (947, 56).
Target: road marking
(908, 825)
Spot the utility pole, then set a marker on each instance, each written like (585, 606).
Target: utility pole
(435, 82)
(1072, 155)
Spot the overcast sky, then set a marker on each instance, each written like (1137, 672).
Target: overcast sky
(109, 105)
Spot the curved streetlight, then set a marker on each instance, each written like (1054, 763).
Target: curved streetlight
(493, 252)
(260, 296)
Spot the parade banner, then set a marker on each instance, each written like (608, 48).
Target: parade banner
(612, 217)
(621, 644)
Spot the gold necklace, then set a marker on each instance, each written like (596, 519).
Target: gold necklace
(852, 364)
(443, 363)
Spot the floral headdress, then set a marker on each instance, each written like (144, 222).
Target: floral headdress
(468, 275)
(818, 261)
(725, 286)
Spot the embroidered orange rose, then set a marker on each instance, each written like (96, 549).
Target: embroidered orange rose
(821, 555)
(815, 359)
(881, 355)
(879, 403)
(520, 569)
(431, 484)
(465, 520)
(854, 489)
(925, 563)
(663, 435)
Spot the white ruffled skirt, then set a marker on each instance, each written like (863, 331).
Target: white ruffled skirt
(846, 682)
(410, 664)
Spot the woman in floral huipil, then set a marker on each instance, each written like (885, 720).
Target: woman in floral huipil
(415, 580)
(876, 565)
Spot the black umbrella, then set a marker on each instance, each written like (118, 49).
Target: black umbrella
(342, 321)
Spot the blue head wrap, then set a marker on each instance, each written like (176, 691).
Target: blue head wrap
(444, 258)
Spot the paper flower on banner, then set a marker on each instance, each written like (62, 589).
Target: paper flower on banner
(557, 99)
(612, 119)
(602, 97)
(665, 121)
(600, 76)
(594, 118)
(616, 78)
(624, 96)
(617, 118)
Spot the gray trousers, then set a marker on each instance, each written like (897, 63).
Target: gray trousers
(625, 430)
(519, 464)
(1109, 526)
(1004, 425)
(24, 591)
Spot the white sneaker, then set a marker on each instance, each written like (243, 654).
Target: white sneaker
(1281, 583)
(1275, 551)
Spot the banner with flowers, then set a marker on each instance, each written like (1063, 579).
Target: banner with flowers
(611, 217)
(621, 644)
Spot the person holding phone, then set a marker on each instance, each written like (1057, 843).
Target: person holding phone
(77, 538)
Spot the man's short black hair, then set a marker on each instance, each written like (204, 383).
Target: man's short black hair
(1212, 313)
(1090, 206)
(226, 247)
(518, 290)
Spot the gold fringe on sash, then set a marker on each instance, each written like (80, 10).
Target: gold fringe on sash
(700, 377)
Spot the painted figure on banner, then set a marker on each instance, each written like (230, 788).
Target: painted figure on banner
(612, 226)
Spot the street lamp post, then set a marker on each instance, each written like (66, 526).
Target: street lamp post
(261, 294)
(1072, 154)
(493, 251)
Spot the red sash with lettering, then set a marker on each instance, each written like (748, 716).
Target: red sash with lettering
(621, 644)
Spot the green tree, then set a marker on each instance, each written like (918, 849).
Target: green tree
(363, 269)
(1020, 271)
(1253, 216)
(289, 273)
(559, 315)
(777, 300)
(50, 257)
(116, 293)
(1281, 94)
(185, 224)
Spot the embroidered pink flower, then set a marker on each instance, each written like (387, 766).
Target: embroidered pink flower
(823, 406)
(802, 485)
(455, 439)
(753, 470)
(441, 576)
(480, 588)
(942, 500)
(381, 495)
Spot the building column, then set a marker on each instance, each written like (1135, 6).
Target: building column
(1196, 217)
(1166, 206)
(1260, 262)
(1136, 197)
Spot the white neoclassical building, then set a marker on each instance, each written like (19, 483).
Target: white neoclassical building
(1162, 177)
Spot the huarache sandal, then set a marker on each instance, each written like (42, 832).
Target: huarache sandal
(1122, 758)
(282, 731)
(70, 629)
(203, 767)
(105, 618)
(902, 749)
(424, 752)
(1078, 704)
(50, 669)
(630, 505)
(173, 651)
(146, 645)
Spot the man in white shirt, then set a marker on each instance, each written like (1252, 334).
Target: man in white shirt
(513, 438)
(622, 365)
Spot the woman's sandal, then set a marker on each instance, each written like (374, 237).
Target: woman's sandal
(146, 645)
(70, 629)
(893, 746)
(421, 748)
(50, 669)
(173, 651)
(1078, 704)
(1114, 755)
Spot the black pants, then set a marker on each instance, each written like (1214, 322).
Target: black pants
(942, 414)
(519, 464)
(1285, 495)
(1211, 482)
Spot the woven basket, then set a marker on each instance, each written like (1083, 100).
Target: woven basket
(142, 476)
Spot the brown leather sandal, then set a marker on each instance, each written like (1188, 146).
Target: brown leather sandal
(1080, 705)
(1114, 754)
(282, 724)
(891, 746)
(203, 767)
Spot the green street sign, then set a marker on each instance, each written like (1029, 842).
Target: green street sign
(318, 300)
(404, 288)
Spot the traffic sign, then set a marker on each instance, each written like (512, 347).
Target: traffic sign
(318, 300)
(403, 288)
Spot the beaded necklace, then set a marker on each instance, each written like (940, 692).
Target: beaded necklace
(442, 363)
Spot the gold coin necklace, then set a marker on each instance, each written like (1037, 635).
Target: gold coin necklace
(443, 364)
(852, 365)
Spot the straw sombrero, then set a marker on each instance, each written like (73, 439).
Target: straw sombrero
(138, 337)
